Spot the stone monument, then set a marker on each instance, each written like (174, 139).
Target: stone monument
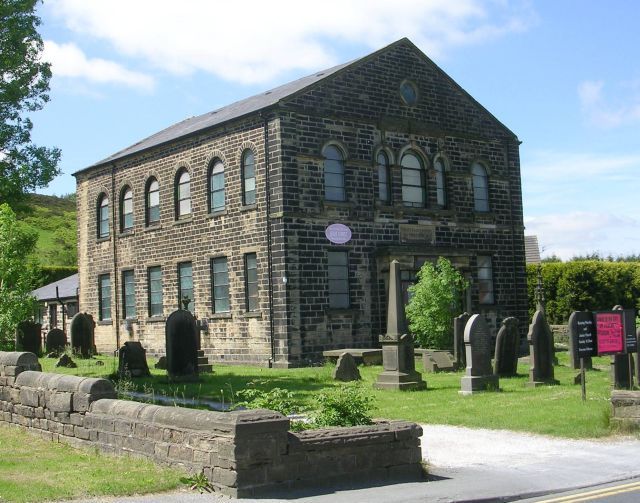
(29, 337)
(181, 336)
(398, 357)
(346, 369)
(82, 342)
(479, 374)
(459, 323)
(436, 360)
(132, 360)
(56, 341)
(505, 363)
(621, 366)
(541, 351)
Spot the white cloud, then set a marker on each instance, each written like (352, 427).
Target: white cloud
(602, 112)
(557, 166)
(67, 60)
(253, 41)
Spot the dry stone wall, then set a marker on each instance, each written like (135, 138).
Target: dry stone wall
(242, 453)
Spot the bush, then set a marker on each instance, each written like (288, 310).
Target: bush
(344, 406)
(278, 399)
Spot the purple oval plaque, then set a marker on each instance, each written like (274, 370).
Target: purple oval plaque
(338, 233)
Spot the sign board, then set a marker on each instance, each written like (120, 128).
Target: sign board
(610, 332)
(630, 330)
(583, 333)
(338, 234)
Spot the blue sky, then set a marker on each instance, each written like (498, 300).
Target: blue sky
(564, 75)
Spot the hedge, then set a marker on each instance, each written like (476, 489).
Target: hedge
(50, 273)
(592, 285)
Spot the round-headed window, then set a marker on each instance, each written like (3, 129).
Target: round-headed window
(409, 93)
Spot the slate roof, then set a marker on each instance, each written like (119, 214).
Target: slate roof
(67, 288)
(531, 250)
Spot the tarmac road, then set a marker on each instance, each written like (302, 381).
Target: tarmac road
(474, 465)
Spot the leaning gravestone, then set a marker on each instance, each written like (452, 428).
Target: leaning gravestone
(580, 324)
(437, 361)
(132, 360)
(56, 341)
(66, 361)
(541, 351)
(29, 337)
(478, 375)
(507, 344)
(181, 336)
(346, 369)
(459, 323)
(82, 327)
(161, 363)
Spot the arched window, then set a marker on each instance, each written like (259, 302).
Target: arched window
(480, 187)
(183, 194)
(103, 216)
(126, 209)
(152, 202)
(333, 173)
(413, 181)
(216, 186)
(441, 194)
(248, 178)
(384, 180)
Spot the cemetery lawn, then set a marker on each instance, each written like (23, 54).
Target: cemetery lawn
(549, 410)
(33, 469)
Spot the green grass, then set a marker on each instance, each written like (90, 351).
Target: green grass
(33, 469)
(550, 410)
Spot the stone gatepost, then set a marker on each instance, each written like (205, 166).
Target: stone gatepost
(398, 358)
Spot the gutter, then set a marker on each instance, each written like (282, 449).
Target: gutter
(267, 176)
(114, 319)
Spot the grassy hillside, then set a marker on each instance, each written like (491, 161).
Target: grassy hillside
(54, 220)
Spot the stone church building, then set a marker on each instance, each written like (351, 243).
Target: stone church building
(274, 219)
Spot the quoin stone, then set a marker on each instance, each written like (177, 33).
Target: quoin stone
(541, 351)
(478, 374)
(507, 344)
(182, 345)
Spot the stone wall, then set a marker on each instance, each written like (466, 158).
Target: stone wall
(242, 453)
(625, 408)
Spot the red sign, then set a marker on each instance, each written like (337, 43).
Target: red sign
(610, 332)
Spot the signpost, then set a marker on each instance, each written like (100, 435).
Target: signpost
(581, 330)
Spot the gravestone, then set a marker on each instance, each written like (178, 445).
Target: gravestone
(346, 369)
(459, 322)
(66, 361)
(161, 363)
(541, 351)
(434, 360)
(580, 328)
(29, 337)
(82, 342)
(398, 357)
(181, 338)
(479, 374)
(56, 341)
(132, 360)
(507, 345)
(621, 366)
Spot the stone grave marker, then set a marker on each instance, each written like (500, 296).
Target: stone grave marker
(29, 337)
(132, 360)
(578, 322)
(398, 357)
(621, 365)
(56, 341)
(479, 374)
(346, 369)
(434, 360)
(459, 322)
(181, 338)
(66, 361)
(161, 363)
(505, 362)
(82, 341)
(541, 351)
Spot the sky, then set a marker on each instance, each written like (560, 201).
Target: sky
(564, 75)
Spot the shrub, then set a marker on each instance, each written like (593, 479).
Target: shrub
(278, 399)
(344, 406)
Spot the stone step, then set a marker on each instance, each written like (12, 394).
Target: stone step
(200, 353)
(205, 368)
(203, 360)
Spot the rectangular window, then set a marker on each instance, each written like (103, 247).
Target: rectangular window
(338, 262)
(154, 285)
(185, 285)
(104, 297)
(128, 295)
(72, 309)
(251, 281)
(485, 280)
(220, 284)
(249, 184)
(53, 315)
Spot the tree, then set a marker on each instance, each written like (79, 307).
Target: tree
(17, 275)
(24, 84)
(435, 300)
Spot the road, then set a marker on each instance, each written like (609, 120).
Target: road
(619, 492)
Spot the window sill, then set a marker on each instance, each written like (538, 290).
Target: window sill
(218, 213)
(127, 233)
(104, 239)
(248, 207)
(183, 220)
(221, 316)
(251, 314)
(153, 227)
(104, 323)
(156, 319)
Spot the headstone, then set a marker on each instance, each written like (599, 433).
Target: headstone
(346, 369)
(507, 345)
(398, 357)
(132, 360)
(541, 351)
(82, 327)
(161, 363)
(181, 337)
(29, 337)
(459, 323)
(66, 361)
(582, 339)
(56, 341)
(438, 361)
(621, 366)
(479, 374)
(578, 378)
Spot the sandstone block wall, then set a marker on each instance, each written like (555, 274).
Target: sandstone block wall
(242, 453)
(625, 407)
